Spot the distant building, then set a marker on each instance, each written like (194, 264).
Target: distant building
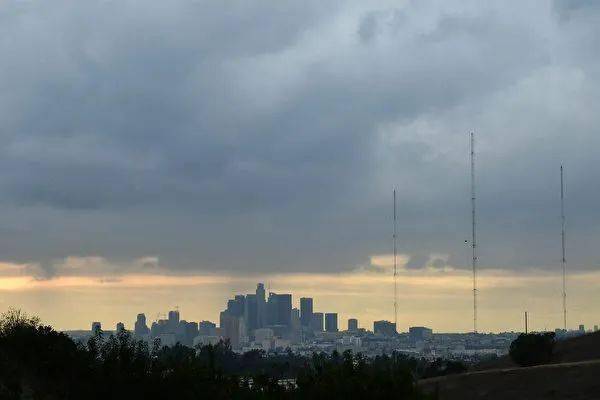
(331, 322)
(232, 327)
(237, 306)
(251, 312)
(190, 331)
(352, 325)
(262, 334)
(595, 328)
(385, 328)
(281, 343)
(207, 328)
(172, 322)
(419, 333)
(295, 325)
(280, 331)
(261, 306)
(174, 317)
(159, 327)
(120, 327)
(232, 321)
(96, 328)
(279, 309)
(140, 327)
(306, 311)
(317, 322)
(582, 328)
(352, 343)
(167, 339)
(204, 340)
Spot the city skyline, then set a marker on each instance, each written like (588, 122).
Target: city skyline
(203, 299)
(180, 151)
(270, 322)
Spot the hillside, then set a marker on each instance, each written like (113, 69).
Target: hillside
(580, 348)
(577, 380)
(573, 374)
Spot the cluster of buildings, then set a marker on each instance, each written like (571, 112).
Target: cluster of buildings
(272, 323)
(255, 321)
(169, 331)
(259, 321)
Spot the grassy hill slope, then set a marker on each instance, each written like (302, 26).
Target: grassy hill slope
(573, 374)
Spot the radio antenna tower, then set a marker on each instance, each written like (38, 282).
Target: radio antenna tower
(474, 232)
(395, 269)
(564, 258)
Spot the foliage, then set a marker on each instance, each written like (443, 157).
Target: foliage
(38, 362)
(532, 348)
(349, 376)
(440, 367)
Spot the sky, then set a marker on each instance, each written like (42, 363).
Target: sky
(158, 154)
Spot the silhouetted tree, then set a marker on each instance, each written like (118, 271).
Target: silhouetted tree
(532, 348)
(441, 367)
(37, 361)
(349, 376)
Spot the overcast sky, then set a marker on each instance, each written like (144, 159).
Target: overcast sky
(260, 137)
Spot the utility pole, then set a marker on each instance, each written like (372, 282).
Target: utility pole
(526, 330)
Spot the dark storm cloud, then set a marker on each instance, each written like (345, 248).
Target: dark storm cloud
(261, 137)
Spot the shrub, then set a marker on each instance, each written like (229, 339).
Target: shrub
(532, 348)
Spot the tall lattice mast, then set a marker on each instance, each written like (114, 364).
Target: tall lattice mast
(564, 258)
(395, 268)
(474, 232)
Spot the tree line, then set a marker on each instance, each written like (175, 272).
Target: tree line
(37, 362)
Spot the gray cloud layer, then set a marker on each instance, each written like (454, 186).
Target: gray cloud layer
(266, 136)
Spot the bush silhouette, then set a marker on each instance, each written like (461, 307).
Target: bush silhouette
(532, 348)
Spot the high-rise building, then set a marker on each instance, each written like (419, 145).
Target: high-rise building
(174, 317)
(284, 309)
(251, 312)
(295, 327)
(419, 333)
(306, 311)
(331, 322)
(207, 328)
(173, 321)
(595, 328)
(237, 305)
(160, 327)
(352, 325)
(317, 322)
(140, 327)
(279, 309)
(120, 327)
(96, 328)
(232, 327)
(581, 328)
(261, 306)
(187, 332)
(385, 328)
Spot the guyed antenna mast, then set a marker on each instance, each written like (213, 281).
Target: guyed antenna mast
(474, 232)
